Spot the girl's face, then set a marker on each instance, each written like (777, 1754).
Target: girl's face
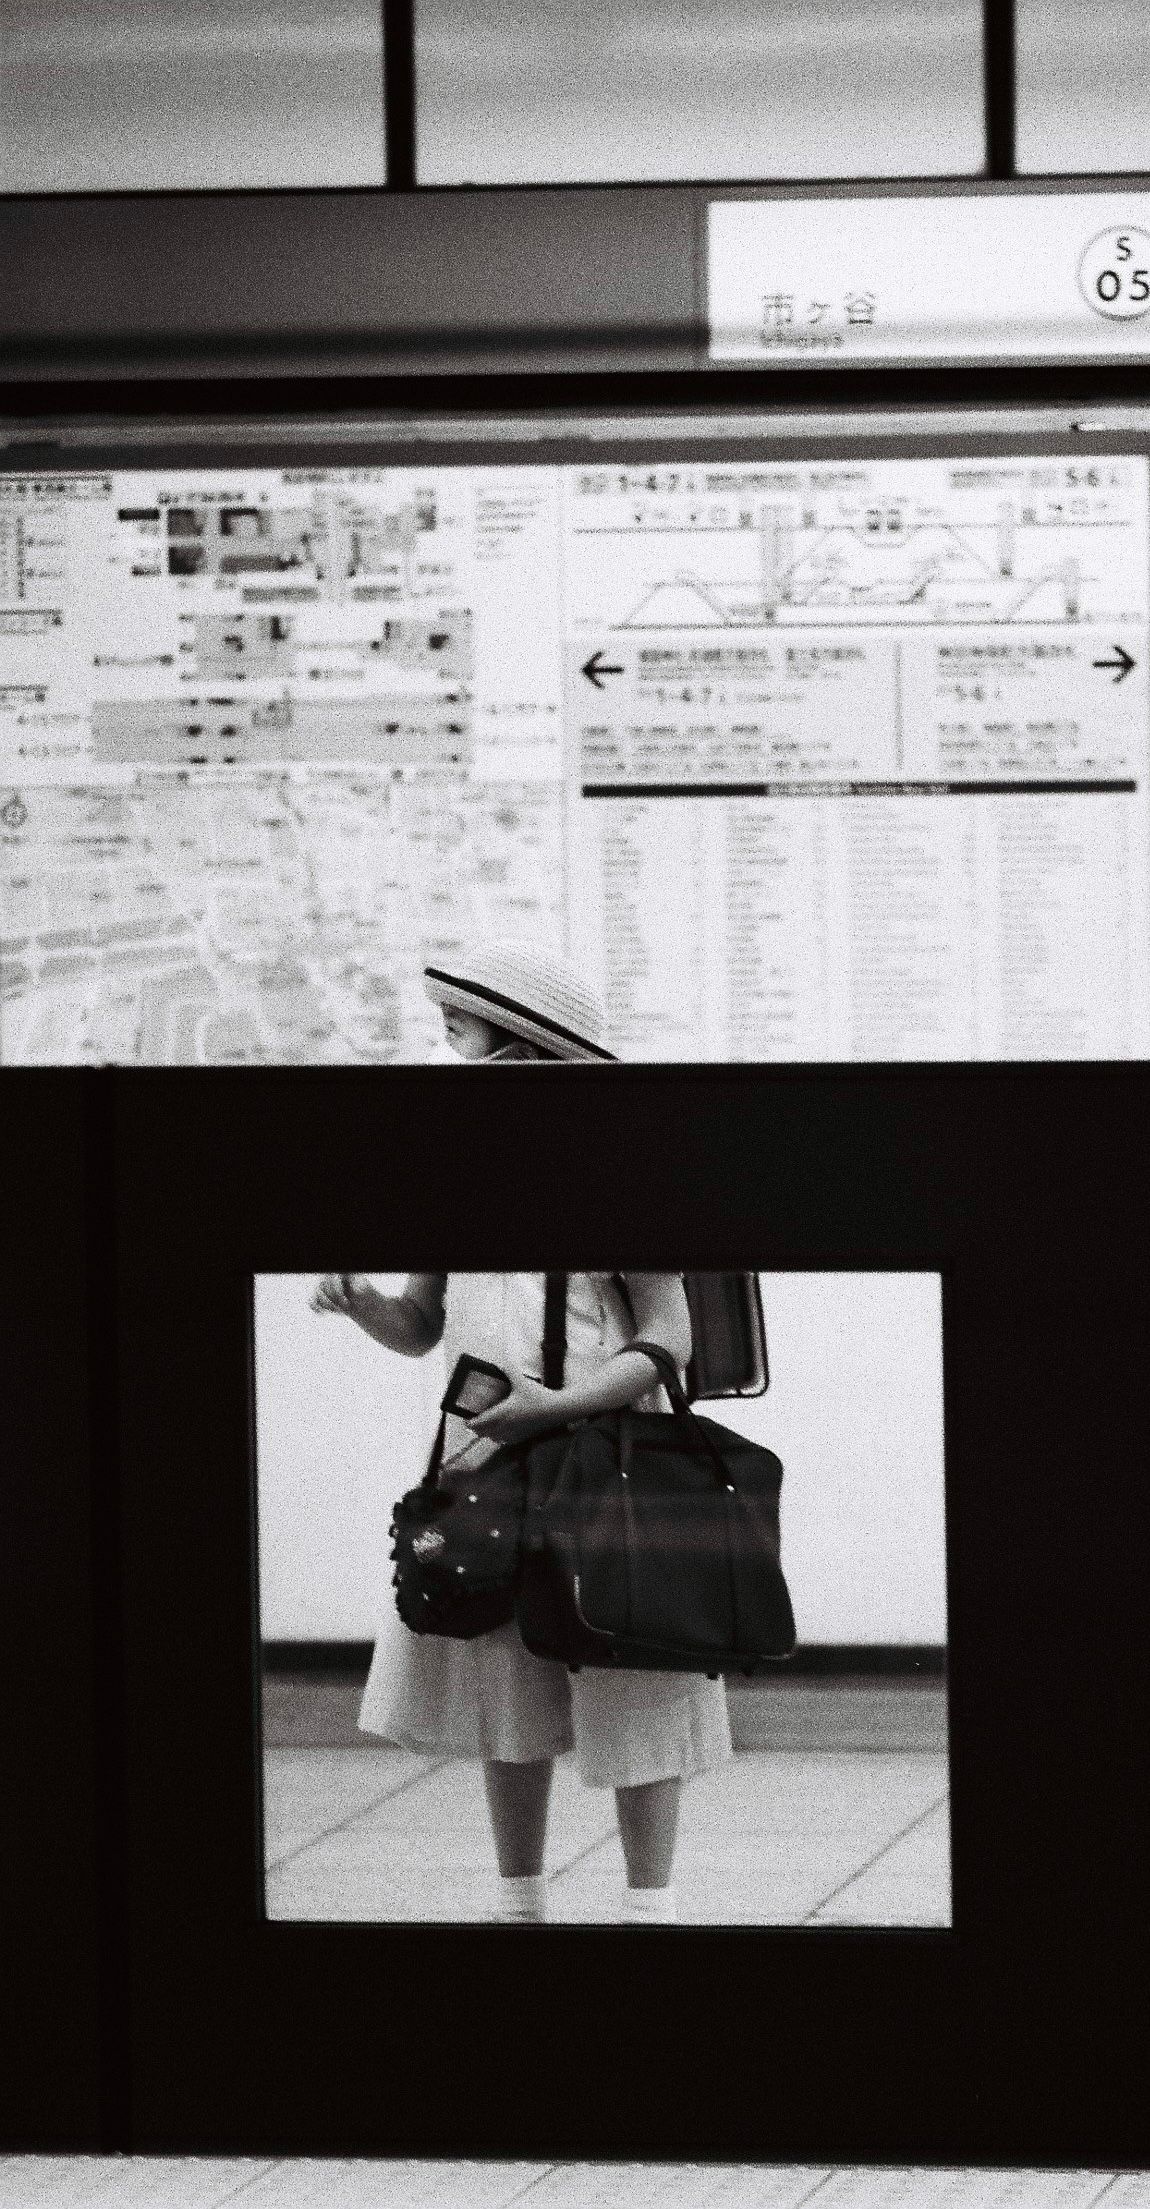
(469, 1036)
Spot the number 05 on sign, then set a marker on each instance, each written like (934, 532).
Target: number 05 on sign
(994, 275)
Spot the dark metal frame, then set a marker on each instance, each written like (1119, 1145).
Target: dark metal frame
(330, 293)
(400, 113)
(400, 103)
(62, 1807)
(834, 2044)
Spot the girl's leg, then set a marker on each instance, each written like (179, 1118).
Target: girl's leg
(517, 1798)
(648, 1826)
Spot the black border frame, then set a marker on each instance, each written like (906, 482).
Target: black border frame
(326, 291)
(1025, 2038)
(1075, 410)
(62, 1890)
(1019, 2037)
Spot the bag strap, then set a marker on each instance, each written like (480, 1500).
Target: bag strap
(554, 1329)
(431, 1476)
(668, 1373)
(554, 1361)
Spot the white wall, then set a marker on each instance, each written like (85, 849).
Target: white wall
(854, 1410)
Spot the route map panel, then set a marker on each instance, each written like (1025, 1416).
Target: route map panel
(831, 759)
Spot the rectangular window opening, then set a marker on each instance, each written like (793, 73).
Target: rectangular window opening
(819, 1792)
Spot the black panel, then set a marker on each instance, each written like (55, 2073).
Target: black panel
(1019, 2036)
(352, 282)
(335, 290)
(54, 2087)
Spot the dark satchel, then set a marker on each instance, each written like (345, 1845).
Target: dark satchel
(455, 1543)
(728, 1334)
(651, 1541)
(456, 1536)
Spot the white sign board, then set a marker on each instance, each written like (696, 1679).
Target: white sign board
(826, 758)
(996, 276)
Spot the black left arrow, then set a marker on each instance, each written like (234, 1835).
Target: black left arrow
(597, 667)
(1122, 663)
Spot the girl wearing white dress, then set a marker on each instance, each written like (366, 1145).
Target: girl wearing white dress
(639, 1733)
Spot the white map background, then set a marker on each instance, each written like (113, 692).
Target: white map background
(810, 760)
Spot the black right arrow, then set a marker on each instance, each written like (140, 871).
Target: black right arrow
(596, 667)
(1122, 664)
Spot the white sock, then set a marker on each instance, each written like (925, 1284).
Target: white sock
(523, 1898)
(650, 1906)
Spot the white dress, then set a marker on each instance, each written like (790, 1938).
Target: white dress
(490, 1697)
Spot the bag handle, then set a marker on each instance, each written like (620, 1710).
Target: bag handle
(668, 1373)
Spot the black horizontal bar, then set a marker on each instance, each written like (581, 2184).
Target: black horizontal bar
(854, 789)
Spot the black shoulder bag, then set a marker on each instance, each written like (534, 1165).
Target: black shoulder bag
(652, 1542)
(647, 1540)
(456, 1537)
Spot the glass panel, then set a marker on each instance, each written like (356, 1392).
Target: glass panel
(1082, 76)
(152, 95)
(532, 91)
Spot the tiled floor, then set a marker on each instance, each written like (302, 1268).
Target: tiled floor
(776, 1837)
(161, 2182)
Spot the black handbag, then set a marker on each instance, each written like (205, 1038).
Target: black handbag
(651, 1541)
(456, 1536)
(455, 1545)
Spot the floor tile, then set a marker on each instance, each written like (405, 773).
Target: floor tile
(957, 2189)
(768, 1792)
(369, 2184)
(387, 1849)
(817, 1859)
(769, 1838)
(675, 2186)
(166, 2182)
(299, 1773)
(126, 2182)
(911, 1902)
(718, 1884)
(449, 1802)
(598, 1900)
(358, 1895)
(307, 1791)
(907, 1875)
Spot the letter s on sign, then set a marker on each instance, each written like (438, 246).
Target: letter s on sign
(1110, 285)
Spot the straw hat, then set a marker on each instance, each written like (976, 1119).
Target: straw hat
(531, 993)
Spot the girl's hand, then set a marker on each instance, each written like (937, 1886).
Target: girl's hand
(528, 1410)
(335, 1292)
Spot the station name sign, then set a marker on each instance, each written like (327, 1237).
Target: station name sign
(988, 276)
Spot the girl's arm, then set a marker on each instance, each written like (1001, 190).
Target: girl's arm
(662, 1315)
(411, 1322)
(659, 1303)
